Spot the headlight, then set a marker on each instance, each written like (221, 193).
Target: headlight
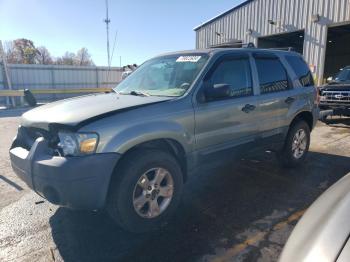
(77, 144)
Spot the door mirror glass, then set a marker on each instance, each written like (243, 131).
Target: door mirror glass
(217, 91)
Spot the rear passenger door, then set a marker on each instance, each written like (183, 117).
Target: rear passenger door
(276, 94)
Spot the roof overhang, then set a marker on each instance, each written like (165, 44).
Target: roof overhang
(223, 14)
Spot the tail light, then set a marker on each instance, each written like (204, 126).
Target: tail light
(318, 96)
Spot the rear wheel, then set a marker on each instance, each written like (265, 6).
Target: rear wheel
(146, 191)
(296, 145)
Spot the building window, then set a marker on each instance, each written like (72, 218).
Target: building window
(272, 75)
(301, 70)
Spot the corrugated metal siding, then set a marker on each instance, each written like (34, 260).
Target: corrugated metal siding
(60, 77)
(292, 15)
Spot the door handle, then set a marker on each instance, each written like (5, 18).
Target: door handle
(247, 108)
(289, 100)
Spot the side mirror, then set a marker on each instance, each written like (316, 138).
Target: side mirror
(217, 91)
(329, 79)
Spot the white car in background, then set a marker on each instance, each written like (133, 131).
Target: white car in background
(128, 70)
(323, 232)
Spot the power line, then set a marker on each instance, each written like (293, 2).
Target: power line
(114, 44)
(111, 59)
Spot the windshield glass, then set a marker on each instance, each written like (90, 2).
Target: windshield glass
(343, 75)
(164, 76)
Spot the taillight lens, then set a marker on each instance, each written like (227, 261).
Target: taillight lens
(318, 96)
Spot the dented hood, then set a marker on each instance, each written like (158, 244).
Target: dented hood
(73, 111)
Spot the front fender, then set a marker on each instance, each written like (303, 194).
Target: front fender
(144, 132)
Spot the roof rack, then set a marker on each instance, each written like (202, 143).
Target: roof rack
(289, 48)
(239, 44)
(234, 44)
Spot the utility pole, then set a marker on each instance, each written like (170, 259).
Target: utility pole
(107, 21)
(6, 74)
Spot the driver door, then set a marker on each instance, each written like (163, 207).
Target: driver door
(224, 123)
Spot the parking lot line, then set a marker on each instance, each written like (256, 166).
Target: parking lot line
(238, 248)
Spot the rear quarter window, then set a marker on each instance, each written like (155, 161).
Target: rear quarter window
(301, 70)
(272, 75)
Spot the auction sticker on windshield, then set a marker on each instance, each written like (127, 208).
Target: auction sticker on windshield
(193, 59)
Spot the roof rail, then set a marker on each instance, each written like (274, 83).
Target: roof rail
(289, 48)
(234, 44)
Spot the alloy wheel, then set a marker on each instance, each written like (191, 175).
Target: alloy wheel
(299, 143)
(153, 192)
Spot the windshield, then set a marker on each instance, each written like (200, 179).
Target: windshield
(164, 76)
(343, 75)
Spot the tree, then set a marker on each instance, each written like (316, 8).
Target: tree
(9, 52)
(83, 58)
(43, 56)
(24, 51)
(21, 51)
(68, 58)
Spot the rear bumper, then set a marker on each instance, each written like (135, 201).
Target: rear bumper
(75, 182)
(336, 109)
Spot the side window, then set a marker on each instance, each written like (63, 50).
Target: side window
(272, 75)
(237, 74)
(301, 70)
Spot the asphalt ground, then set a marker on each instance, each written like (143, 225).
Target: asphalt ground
(240, 211)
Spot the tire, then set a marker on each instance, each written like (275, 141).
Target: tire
(127, 186)
(289, 157)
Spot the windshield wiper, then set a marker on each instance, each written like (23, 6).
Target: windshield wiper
(138, 93)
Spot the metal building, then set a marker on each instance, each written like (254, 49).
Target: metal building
(320, 29)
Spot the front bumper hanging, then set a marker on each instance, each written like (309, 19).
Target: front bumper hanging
(75, 182)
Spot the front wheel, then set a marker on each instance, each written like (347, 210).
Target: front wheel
(145, 191)
(296, 145)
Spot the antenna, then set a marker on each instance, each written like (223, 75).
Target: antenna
(107, 21)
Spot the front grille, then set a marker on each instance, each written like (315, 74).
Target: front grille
(27, 135)
(336, 96)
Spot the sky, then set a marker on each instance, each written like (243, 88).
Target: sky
(144, 28)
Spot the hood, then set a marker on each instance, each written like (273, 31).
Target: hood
(73, 111)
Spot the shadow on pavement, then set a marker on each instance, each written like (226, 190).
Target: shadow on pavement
(217, 205)
(11, 183)
(343, 122)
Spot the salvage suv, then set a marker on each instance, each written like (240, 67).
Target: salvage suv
(131, 150)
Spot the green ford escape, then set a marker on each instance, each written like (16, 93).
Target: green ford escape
(131, 151)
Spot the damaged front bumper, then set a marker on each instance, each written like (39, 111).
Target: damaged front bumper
(75, 182)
